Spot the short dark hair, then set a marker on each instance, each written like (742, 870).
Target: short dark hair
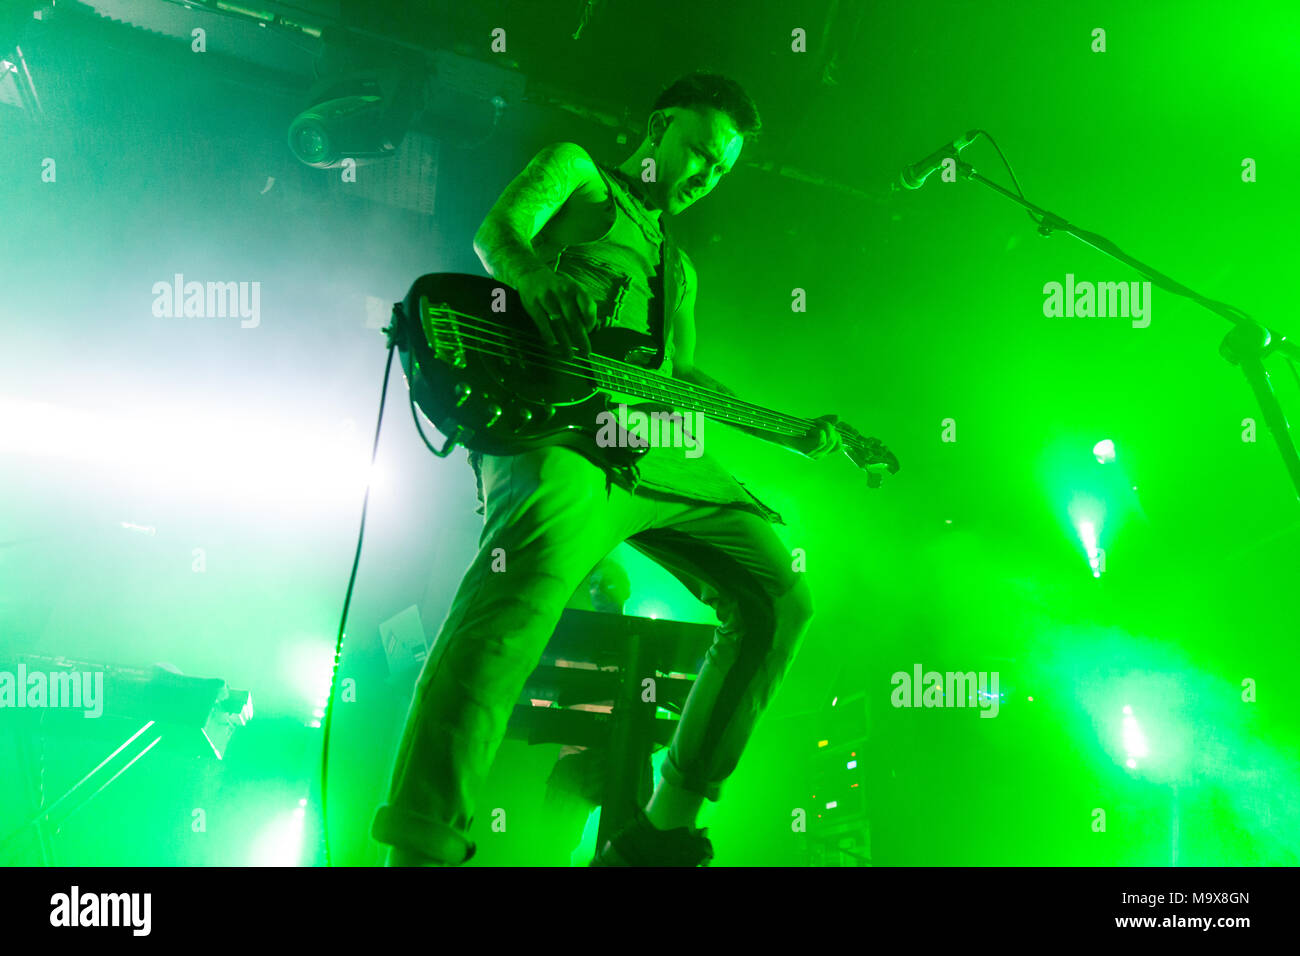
(718, 92)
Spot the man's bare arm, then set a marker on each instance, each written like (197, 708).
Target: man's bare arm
(504, 240)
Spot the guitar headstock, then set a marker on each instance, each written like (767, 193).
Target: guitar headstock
(869, 454)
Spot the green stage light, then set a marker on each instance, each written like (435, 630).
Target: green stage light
(1104, 451)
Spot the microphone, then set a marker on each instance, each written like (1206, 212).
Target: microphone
(914, 176)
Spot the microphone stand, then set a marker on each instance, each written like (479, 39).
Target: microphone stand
(1246, 345)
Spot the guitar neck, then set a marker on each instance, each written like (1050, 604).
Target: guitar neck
(623, 378)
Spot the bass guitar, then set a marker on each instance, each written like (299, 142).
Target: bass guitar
(479, 371)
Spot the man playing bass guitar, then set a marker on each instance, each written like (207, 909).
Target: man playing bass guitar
(582, 245)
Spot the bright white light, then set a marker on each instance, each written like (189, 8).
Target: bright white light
(1104, 451)
(280, 842)
(242, 455)
(653, 610)
(1135, 742)
(307, 665)
(1086, 514)
(1088, 535)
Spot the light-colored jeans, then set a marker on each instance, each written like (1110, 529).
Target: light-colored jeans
(554, 516)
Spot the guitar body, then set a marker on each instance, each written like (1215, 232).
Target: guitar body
(477, 368)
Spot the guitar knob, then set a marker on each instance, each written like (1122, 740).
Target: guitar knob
(463, 392)
(525, 414)
(493, 413)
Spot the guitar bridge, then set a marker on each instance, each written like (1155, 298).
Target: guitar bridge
(442, 332)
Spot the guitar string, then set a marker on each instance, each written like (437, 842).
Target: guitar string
(773, 421)
(614, 381)
(770, 421)
(729, 408)
(615, 374)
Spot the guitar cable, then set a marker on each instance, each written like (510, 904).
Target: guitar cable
(347, 602)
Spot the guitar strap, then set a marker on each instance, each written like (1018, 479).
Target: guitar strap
(663, 284)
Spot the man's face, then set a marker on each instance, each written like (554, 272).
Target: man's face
(696, 150)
